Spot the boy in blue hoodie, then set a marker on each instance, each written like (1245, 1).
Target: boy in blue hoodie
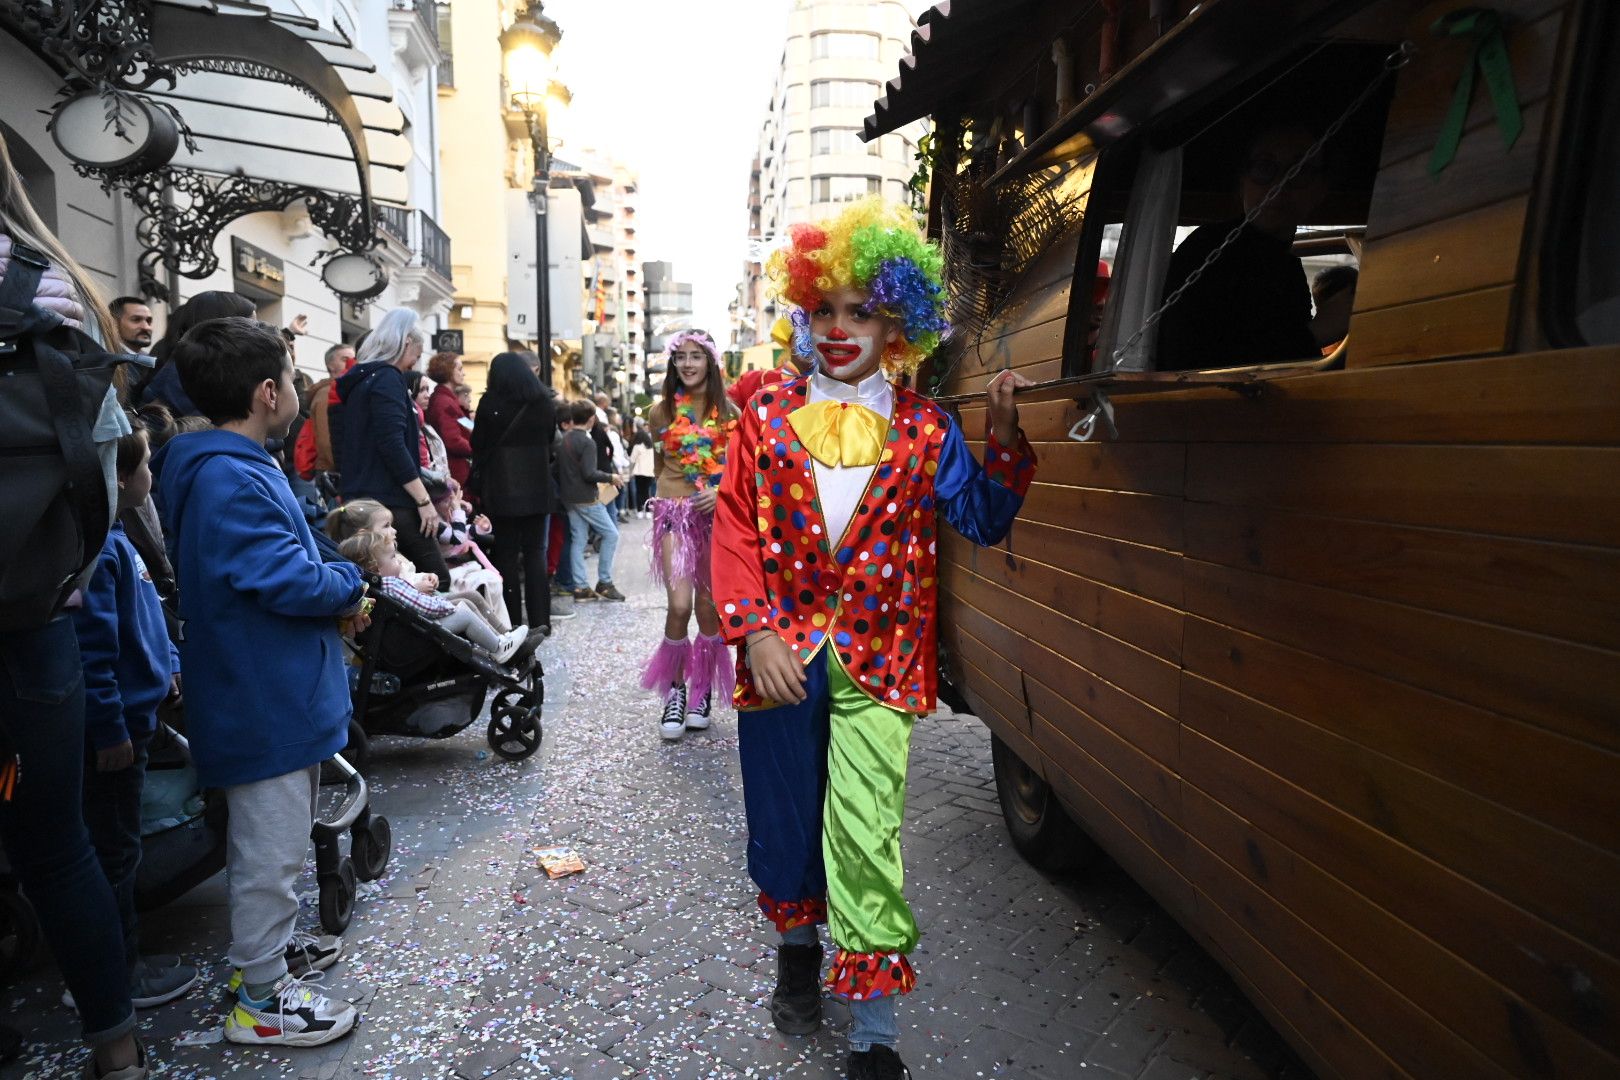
(267, 698)
(130, 667)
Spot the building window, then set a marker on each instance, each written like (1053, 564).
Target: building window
(838, 189)
(843, 46)
(842, 93)
(840, 141)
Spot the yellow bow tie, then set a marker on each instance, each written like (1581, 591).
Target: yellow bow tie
(840, 433)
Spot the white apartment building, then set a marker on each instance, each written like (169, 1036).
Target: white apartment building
(835, 60)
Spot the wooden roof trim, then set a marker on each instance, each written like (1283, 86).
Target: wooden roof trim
(946, 34)
(1213, 42)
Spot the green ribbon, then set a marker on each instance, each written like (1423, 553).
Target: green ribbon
(1489, 56)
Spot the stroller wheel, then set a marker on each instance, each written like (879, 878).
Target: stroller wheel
(514, 731)
(371, 845)
(337, 897)
(19, 933)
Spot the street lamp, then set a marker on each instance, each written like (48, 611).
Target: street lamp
(526, 48)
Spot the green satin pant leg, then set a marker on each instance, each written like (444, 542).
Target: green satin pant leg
(860, 840)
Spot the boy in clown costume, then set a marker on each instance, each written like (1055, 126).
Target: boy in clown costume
(824, 564)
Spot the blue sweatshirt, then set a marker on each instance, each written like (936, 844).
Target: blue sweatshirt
(378, 445)
(124, 642)
(266, 691)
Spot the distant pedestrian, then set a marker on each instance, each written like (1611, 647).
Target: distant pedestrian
(511, 462)
(692, 421)
(580, 476)
(267, 698)
(643, 467)
(448, 416)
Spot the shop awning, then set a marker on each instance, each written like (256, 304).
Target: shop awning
(272, 109)
(276, 97)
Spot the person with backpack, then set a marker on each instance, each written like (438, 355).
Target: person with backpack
(57, 402)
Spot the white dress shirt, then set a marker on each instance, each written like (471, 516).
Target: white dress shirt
(840, 487)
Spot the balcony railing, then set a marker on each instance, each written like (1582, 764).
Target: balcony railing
(395, 222)
(433, 244)
(427, 12)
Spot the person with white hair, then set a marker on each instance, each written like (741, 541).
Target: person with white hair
(378, 448)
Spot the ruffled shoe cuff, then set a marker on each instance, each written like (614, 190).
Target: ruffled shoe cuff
(667, 666)
(787, 914)
(862, 976)
(712, 669)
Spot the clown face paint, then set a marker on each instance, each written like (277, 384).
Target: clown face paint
(848, 336)
(845, 358)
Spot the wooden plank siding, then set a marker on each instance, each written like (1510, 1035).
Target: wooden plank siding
(1444, 252)
(1384, 786)
(1333, 669)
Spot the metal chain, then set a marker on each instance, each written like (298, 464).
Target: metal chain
(1392, 63)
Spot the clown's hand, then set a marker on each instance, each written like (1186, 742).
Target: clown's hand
(776, 670)
(1003, 418)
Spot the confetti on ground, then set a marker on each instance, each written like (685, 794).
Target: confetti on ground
(655, 963)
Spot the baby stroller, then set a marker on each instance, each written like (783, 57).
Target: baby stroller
(183, 834)
(412, 677)
(183, 845)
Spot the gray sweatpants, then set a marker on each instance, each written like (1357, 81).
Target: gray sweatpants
(266, 841)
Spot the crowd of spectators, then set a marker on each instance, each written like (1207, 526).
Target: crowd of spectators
(390, 455)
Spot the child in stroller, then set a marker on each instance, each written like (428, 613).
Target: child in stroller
(376, 555)
(410, 676)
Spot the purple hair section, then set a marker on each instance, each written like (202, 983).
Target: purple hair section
(902, 289)
(802, 343)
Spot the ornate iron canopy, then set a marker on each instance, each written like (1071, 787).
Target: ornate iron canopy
(272, 110)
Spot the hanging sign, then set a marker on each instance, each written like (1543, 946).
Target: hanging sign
(114, 132)
(257, 273)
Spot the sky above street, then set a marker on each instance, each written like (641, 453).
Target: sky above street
(678, 92)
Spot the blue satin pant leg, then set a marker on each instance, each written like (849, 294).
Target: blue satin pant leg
(784, 767)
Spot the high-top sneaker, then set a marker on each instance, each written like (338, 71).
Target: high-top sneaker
(698, 719)
(673, 724)
(878, 1063)
(796, 1001)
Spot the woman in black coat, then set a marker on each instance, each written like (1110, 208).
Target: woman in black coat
(511, 444)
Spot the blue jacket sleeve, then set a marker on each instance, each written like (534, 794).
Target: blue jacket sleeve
(392, 429)
(97, 626)
(259, 544)
(981, 504)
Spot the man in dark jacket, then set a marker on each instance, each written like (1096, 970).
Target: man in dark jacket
(578, 475)
(378, 444)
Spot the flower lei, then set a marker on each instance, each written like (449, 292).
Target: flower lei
(698, 446)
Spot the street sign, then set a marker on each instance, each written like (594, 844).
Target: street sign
(449, 341)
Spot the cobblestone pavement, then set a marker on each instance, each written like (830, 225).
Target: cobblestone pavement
(467, 962)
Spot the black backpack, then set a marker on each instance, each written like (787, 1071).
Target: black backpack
(53, 380)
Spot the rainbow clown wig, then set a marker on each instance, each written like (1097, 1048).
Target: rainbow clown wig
(875, 247)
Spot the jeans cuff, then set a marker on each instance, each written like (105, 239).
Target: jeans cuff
(112, 1034)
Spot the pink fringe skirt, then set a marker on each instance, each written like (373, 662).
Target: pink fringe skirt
(692, 530)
